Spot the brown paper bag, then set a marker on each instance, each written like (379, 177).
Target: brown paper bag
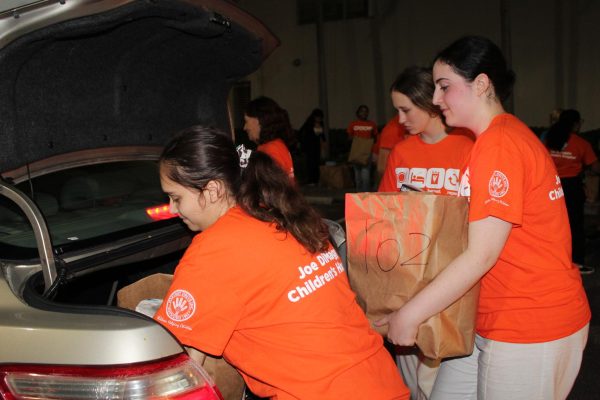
(397, 243)
(228, 380)
(360, 151)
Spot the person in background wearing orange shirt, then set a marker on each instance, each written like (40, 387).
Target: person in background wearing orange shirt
(392, 133)
(362, 127)
(260, 284)
(268, 125)
(533, 314)
(428, 160)
(571, 154)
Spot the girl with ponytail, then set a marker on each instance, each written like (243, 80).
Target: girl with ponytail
(533, 315)
(260, 284)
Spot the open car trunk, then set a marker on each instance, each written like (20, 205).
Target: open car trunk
(89, 82)
(133, 72)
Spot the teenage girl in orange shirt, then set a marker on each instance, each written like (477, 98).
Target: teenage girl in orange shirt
(533, 315)
(268, 125)
(429, 160)
(260, 284)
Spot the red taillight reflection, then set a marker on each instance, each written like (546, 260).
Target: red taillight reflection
(176, 377)
(158, 213)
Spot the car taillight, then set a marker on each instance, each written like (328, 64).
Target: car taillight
(158, 213)
(176, 377)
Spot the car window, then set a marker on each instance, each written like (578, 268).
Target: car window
(88, 203)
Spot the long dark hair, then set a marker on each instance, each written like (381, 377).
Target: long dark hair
(470, 56)
(274, 121)
(310, 120)
(198, 155)
(416, 83)
(559, 132)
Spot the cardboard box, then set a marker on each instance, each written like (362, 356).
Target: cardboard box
(336, 176)
(228, 380)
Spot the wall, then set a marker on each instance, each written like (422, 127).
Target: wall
(553, 49)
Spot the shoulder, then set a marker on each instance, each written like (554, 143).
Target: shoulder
(409, 142)
(576, 139)
(508, 123)
(459, 141)
(276, 145)
(229, 228)
(506, 130)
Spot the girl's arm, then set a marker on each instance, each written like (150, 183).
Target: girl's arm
(486, 240)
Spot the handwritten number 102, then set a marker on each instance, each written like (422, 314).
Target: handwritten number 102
(410, 260)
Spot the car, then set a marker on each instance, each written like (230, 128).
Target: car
(90, 91)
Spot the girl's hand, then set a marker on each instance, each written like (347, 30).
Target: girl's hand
(402, 330)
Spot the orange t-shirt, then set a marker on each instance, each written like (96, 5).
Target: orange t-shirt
(434, 168)
(364, 129)
(577, 153)
(286, 319)
(279, 152)
(533, 293)
(392, 133)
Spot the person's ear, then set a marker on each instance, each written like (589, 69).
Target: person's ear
(215, 190)
(482, 85)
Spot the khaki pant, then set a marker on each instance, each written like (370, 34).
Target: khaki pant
(515, 371)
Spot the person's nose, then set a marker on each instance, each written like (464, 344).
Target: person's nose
(437, 96)
(401, 117)
(172, 207)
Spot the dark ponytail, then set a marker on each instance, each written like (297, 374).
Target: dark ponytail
(198, 154)
(559, 132)
(470, 56)
(268, 194)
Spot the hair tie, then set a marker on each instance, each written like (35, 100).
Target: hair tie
(244, 155)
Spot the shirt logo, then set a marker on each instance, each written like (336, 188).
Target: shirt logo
(432, 179)
(401, 176)
(180, 305)
(417, 177)
(498, 185)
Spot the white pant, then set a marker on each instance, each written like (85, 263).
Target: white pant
(501, 371)
(418, 372)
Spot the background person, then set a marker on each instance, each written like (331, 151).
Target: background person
(312, 135)
(261, 285)
(268, 125)
(430, 160)
(533, 314)
(553, 118)
(571, 155)
(392, 133)
(364, 128)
